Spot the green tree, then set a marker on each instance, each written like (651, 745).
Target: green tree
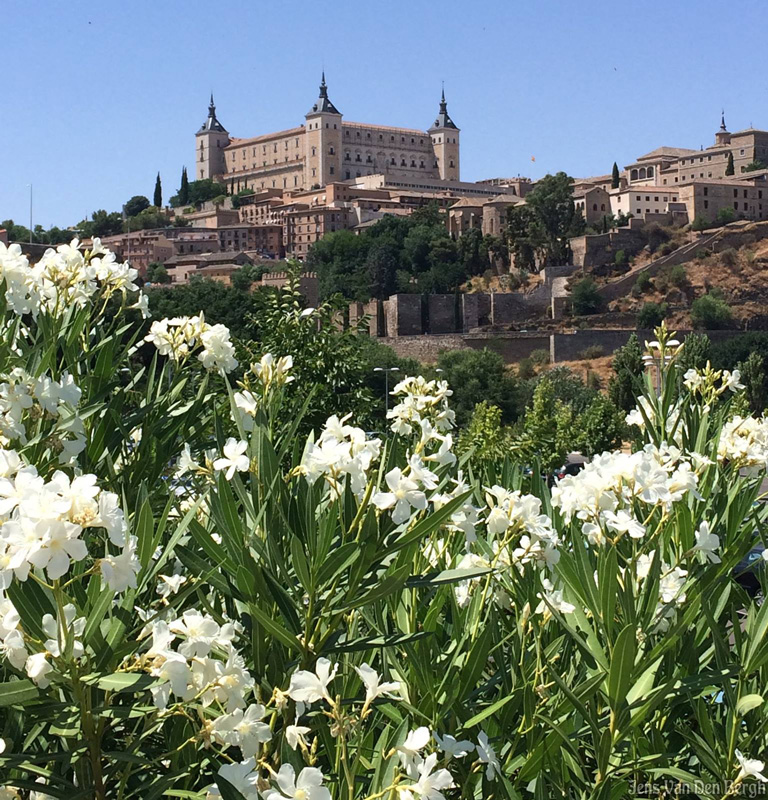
(148, 219)
(585, 298)
(101, 224)
(755, 165)
(246, 276)
(555, 217)
(522, 236)
(473, 252)
(726, 215)
(183, 195)
(615, 177)
(546, 433)
(600, 427)
(700, 224)
(136, 205)
(626, 383)
(711, 312)
(157, 201)
(157, 273)
(477, 375)
(485, 436)
(729, 169)
(755, 379)
(651, 315)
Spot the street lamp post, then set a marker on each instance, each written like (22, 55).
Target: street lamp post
(386, 371)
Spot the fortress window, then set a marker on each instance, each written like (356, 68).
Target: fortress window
(331, 150)
(346, 175)
(735, 206)
(347, 156)
(358, 174)
(314, 151)
(358, 134)
(346, 132)
(391, 138)
(331, 170)
(368, 160)
(297, 143)
(392, 162)
(275, 147)
(368, 135)
(357, 157)
(413, 163)
(326, 124)
(421, 141)
(381, 138)
(594, 206)
(412, 140)
(421, 164)
(452, 164)
(402, 162)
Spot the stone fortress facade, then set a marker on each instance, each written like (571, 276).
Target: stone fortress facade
(327, 149)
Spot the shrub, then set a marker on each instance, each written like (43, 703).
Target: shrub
(711, 312)
(651, 315)
(592, 352)
(585, 298)
(726, 215)
(729, 257)
(643, 283)
(655, 236)
(700, 224)
(628, 369)
(526, 369)
(621, 258)
(540, 357)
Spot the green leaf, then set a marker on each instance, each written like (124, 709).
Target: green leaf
(275, 628)
(375, 642)
(446, 576)
(386, 587)
(228, 791)
(486, 712)
(17, 692)
(122, 681)
(747, 703)
(622, 663)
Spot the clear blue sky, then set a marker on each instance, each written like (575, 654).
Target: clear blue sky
(99, 96)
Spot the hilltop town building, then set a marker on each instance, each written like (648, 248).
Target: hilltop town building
(325, 149)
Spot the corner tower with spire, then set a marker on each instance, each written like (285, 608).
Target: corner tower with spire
(723, 136)
(323, 141)
(445, 143)
(210, 142)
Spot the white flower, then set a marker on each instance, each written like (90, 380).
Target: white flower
(201, 633)
(404, 494)
(243, 729)
(373, 687)
(452, 747)
(308, 786)
(750, 768)
(430, 783)
(38, 668)
(218, 351)
(409, 752)
(244, 777)
(294, 734)
(554, 598)
(177, 675)
(707, 543)
(623, 522)
(732, 380)
(487, 755)
(120, 572)
(71, 628)
(142, 305)
(234, 458)
(309, 687)
(170, 584)
(185, 462)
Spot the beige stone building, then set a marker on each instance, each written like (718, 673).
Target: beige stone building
(671, 166)
(325, 149)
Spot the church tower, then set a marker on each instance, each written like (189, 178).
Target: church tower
(210, 142)
(445, 143)
(722, 137)
(323, 142)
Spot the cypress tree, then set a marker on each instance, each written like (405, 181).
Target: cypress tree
(184, 189)
(158, 198)
(729, 170)
(615, 177)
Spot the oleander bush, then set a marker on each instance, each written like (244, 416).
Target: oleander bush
(197, 601)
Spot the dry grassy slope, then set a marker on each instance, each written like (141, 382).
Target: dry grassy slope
(743, 281)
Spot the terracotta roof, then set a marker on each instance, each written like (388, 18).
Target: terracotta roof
(672, 152)
(409, 131)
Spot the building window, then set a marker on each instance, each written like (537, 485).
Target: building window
(706, 204)
(735, 192)
(347, 157)
(346, 175)
(331, 150)
(330, 169)
(452, 164)
(736, 206)
(314, 151)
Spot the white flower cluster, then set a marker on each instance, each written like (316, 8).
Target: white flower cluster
(64, 277)
(42, 522)
(466, 518)
(176, 338)
(744, 441)
(699, 380)
(672, 425)
(602, 494)
(423, 403)
(341, 450)
(271, 373)
(24, 399)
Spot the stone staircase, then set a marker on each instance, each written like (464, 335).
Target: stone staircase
(623, 284)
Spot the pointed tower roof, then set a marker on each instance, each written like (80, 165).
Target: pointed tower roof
(323, 104)
(443, 120)
(212, 123)
(722, 122)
